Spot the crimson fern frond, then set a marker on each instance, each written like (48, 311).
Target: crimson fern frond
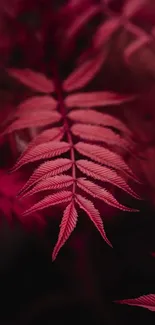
(67, 119)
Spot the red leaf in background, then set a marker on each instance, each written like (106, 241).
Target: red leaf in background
(105, 32)
(81, 20)
(146, 301)
(84, 73)
(9, 204)
(9, 183)
(9, 7)
(135, 46)
(35, 80)
(131, 7)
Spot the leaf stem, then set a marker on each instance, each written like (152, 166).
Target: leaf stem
(62, 108)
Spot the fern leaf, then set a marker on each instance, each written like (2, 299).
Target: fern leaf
(91, 116)
(43, 151)
(84, 122)
(103, 156)
(93, 214)
(105, 31)
(37, 115)
(99, 134)
(94, 99)
(67, 226)
(104, 174)
(37, 103)
(47, 169)
(35, 80)
(50, 200)
(51, 183)
(146, 301)
(54, 134)
(33, 119)
(83, 74)
(100, 193)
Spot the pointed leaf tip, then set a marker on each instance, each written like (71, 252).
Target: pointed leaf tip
(146, 301)
(104, 174)
(95, 99)
(100, 193)
(67, 225)
(93, 214)
(50, 183)
(104, 156)
(50, 200)
(45, 170)
(42, 151)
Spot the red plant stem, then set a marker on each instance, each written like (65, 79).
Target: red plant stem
(59, 92)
